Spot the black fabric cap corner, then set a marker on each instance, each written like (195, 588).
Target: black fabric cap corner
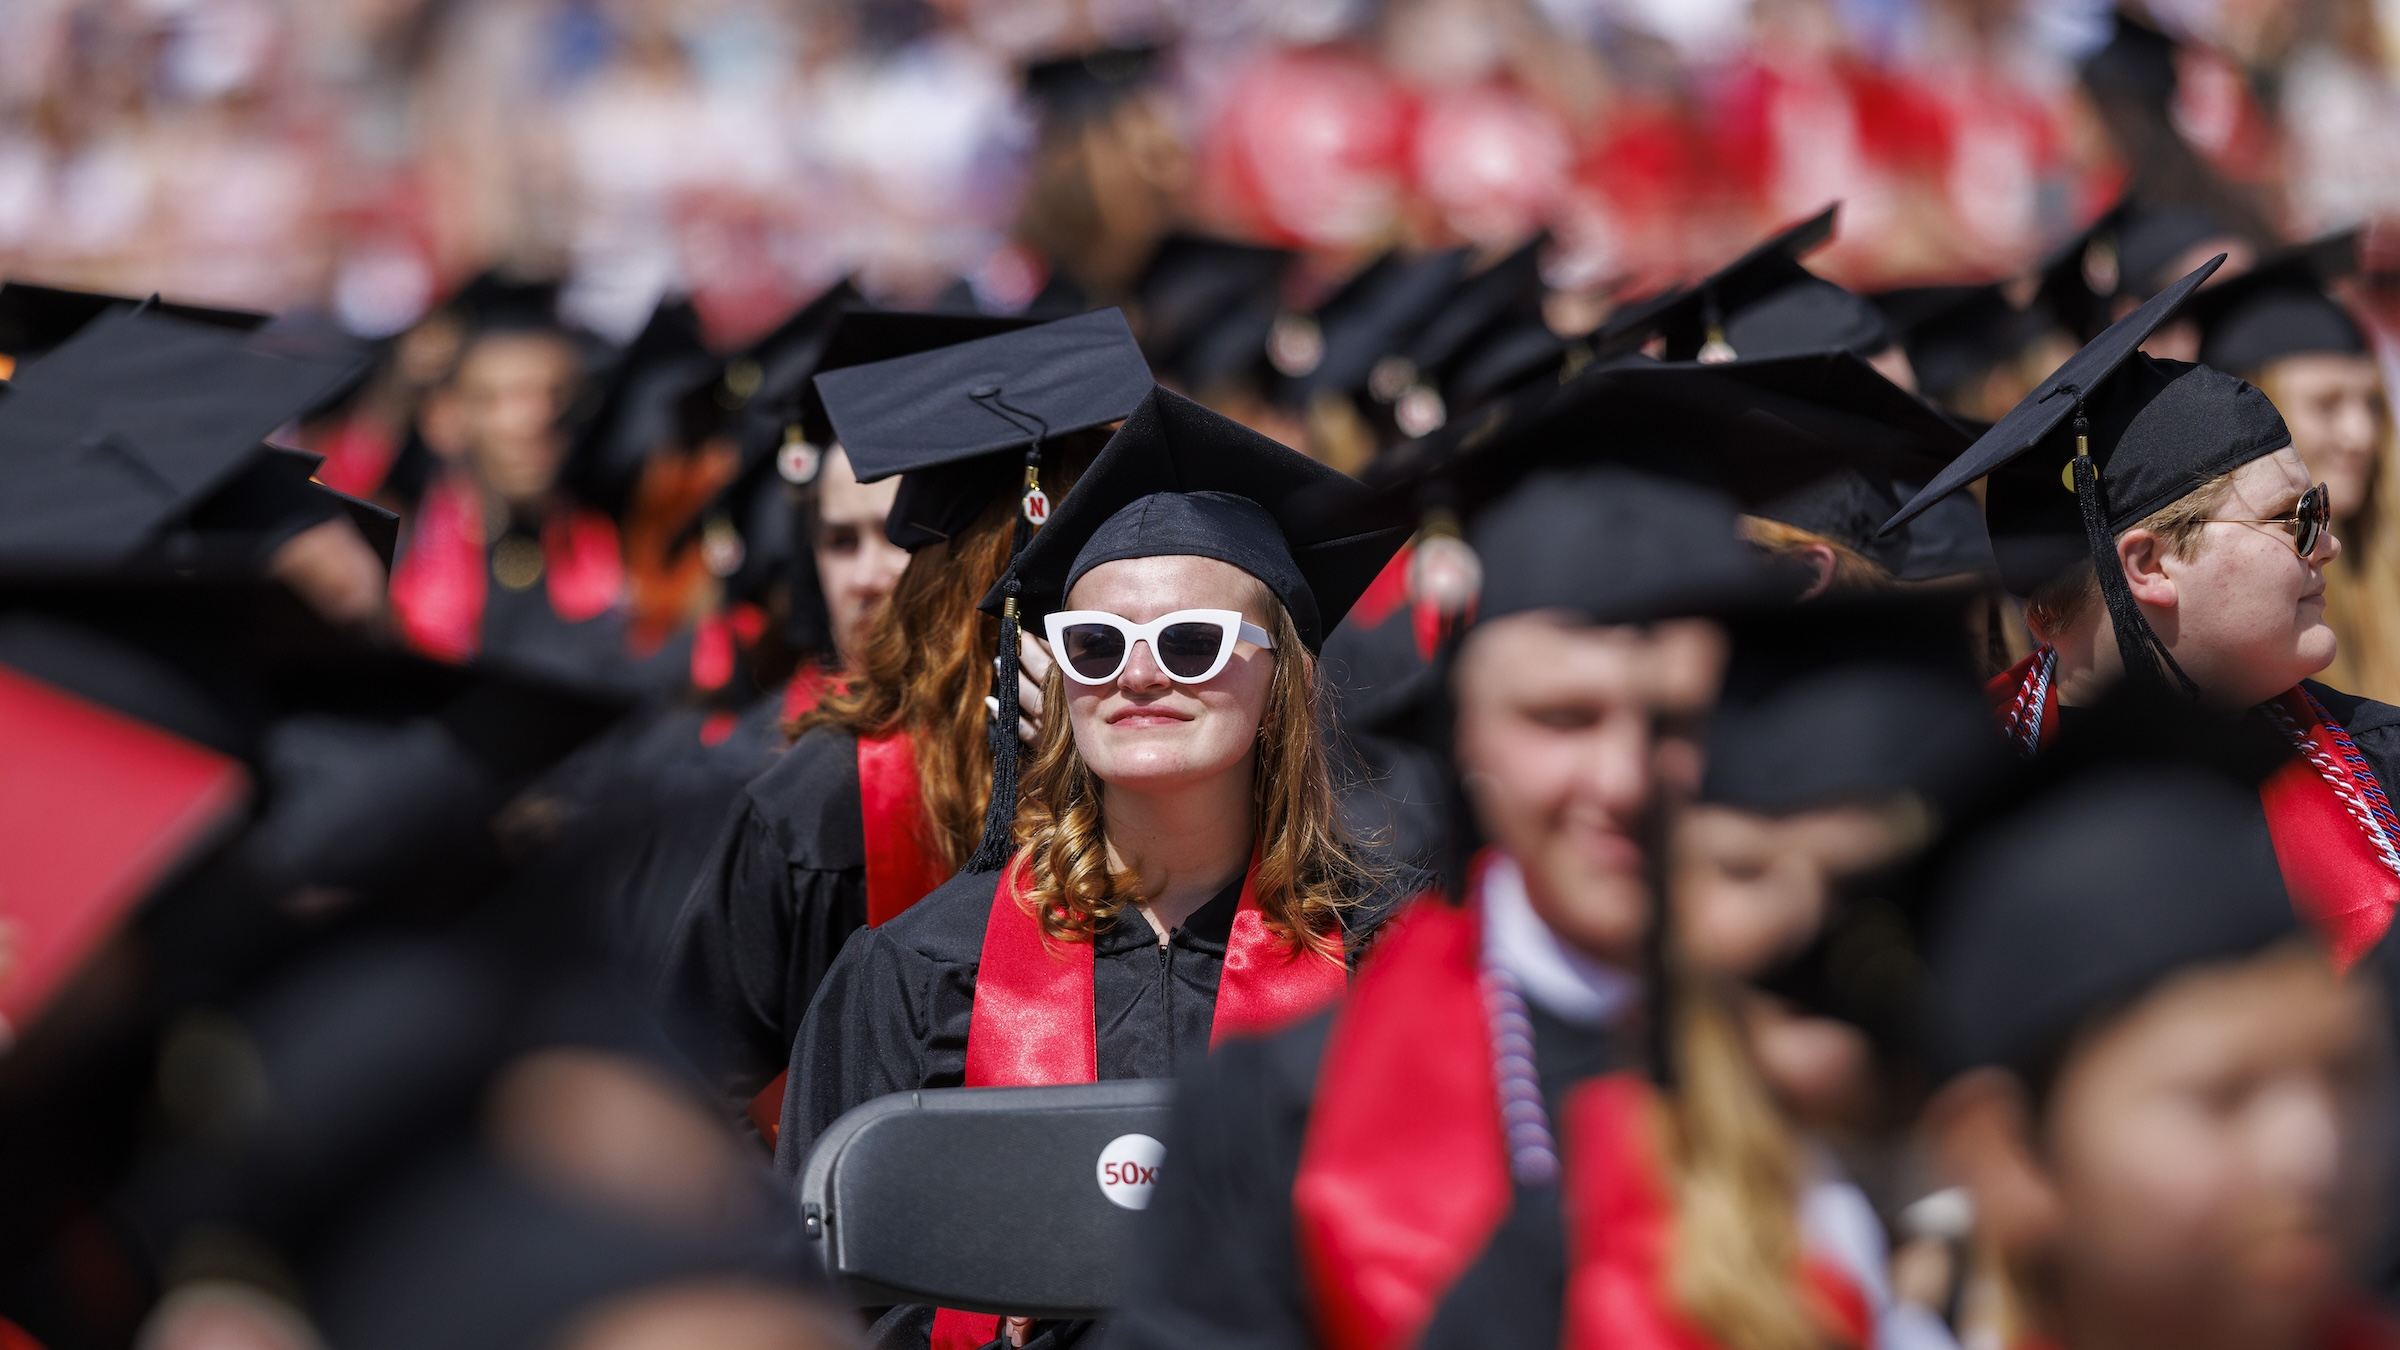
(137, 420)
(975, 398)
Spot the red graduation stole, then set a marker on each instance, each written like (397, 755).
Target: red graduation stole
(438, 588)
(902, 867)
(1034, 1023)
(1404, 1173)
(2336, 835)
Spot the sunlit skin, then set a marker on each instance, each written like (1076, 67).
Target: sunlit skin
(511, 390)
(2208, 1165)
(2244, 615)
(332, 567)
(2334, 404)
(1175, 761)
(1570, 738)
(1752, 890)
(856, 566)
(1893, 364)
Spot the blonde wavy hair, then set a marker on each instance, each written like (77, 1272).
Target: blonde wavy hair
(1734, 1168)
(1308, 869)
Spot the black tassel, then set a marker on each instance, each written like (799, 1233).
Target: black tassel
(1000, 818)
(2147, 660)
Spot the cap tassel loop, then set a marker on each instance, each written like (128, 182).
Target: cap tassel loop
(1000, 817)
(1716, 351)
(2145, 656)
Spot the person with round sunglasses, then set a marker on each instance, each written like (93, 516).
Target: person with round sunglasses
(2167, 535)
(1180, 873)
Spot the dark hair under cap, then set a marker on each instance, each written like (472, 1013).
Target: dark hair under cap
(2087, 899)
(1217, 525)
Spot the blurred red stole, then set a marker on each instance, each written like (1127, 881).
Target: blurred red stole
(95, 809)
(1404, 1172)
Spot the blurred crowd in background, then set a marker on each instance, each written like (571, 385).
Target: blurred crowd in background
(365, 156)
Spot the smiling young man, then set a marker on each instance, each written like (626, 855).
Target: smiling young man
(2163, 530)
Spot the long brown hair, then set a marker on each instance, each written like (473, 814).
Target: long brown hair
(1308, 869)
(924, 666)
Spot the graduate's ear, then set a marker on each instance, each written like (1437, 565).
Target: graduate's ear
(2143, 554)
(1982, 1129)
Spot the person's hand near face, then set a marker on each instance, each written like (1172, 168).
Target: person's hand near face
(857, 567)
(2244, 615)
(511, 390)
(1569, 737)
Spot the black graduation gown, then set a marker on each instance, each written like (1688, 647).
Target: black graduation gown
(893, 1015)
(1218, 1263)
(646, 813)
(781, 891)
(2374, 726)
(521, 631)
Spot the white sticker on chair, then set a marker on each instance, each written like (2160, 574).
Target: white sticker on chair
(1129, 1169)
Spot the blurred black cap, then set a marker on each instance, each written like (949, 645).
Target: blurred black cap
(2088, 897)
(2281, 308)
(1763, 303)
(640, 405)
(1207, 306)
(1373, 315)
(138, 420)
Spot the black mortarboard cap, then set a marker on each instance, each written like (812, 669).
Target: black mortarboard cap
(1180, 479)
(2154, 431)
(1788, 308)
(2280, 308)
(1371, 316)
(1487, 337)
(1207, 306)
(36, 319)
(867, 336)
(499, 301)
(1857, 698)
(1613, 545)
(1955, 335)
(641, 399)
(1817, 441)
(137, 420)
(2149, 240)
(2088, 897)
(763, 385)
(1087, 85)
(964, 421)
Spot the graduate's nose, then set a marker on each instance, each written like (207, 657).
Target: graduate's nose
(1142, 672)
